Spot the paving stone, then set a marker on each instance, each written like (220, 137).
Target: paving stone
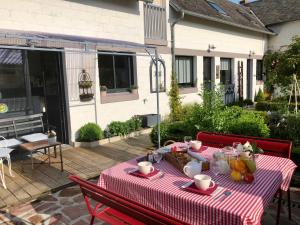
(55, 218)
(69, 192)
(49, 198)
(36, 219)
(21, 209)
(65, 201)
(78, 199)
(75, 211)
(80, 222)
(44, 207)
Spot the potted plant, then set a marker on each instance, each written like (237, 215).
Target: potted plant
(103, 90)
(134, 89)
(85, 84)
(51, 137)
(86, 96)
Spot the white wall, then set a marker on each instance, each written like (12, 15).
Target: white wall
(285, 33)
(192, 33)
(115, 19)
(122, 20)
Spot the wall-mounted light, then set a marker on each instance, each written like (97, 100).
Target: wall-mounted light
(251, 53)
(211, 47)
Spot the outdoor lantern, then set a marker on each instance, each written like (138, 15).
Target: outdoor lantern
(85, 86)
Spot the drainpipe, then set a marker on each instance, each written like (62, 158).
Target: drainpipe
(173, 39)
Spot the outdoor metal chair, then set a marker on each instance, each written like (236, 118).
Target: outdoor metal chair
(116, 209)
(5, 155)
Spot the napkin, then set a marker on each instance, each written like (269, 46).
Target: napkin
(192, 188)
(196, 155)
(137, 173)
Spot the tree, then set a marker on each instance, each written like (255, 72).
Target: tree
(282, 65)
(174, 100)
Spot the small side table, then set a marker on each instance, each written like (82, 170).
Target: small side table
(36, 146)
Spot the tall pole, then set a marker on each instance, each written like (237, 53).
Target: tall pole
(157, 98)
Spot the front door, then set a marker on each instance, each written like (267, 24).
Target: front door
(207, 75)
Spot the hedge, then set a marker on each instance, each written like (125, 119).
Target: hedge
(274, 106)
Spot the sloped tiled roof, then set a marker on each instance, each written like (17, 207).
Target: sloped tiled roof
(276, 11)
(237, 15)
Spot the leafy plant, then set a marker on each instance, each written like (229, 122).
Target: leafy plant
(118, 128)
(135, 123)
(285, 127)
(90, 132)
(103, 88)
(249, 124)
(174, 100)
(281, 65)
(260, 96)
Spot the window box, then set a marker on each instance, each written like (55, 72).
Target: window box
(188, 90)
(119, 97)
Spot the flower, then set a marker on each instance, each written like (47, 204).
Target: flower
(51, 133)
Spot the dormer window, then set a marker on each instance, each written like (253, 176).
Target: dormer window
(216, 7)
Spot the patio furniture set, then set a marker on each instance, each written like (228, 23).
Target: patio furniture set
(165, 198)
(27, 134)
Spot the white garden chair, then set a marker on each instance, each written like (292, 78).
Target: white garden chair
(5, 155)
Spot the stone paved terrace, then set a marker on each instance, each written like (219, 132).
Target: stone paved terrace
(67, 207)
(86, 163)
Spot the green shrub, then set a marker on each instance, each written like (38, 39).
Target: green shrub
(286, 127)
(135, 123)
(248, 102)
(275, 106)
(249, 124)
(118, 128)
(242, 103)
(174, 100)
(90, 132)
(170, 131)
(260, 96)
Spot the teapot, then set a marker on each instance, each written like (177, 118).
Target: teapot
(192, 168)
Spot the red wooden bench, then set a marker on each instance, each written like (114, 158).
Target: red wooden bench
(274, 147)
(115, 209)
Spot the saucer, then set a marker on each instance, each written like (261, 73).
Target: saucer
(191, 187)
(137, 173)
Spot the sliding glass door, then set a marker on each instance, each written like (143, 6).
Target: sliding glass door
(13, 95)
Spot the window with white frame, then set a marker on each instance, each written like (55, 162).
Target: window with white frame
(185, 71)
(116, 72)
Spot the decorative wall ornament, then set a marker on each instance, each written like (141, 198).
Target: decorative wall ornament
(85, 86)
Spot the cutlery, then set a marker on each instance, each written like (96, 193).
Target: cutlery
(187, 184)
(159, 176)
(217, 191)
(226, 194)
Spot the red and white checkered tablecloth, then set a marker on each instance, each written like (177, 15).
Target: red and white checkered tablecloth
(244, 206)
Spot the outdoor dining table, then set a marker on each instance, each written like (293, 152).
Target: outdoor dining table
(245, 205)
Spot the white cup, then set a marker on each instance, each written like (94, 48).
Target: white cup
(145, 167)
(196, 145)
(203, 181)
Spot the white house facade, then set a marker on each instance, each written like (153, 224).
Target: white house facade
(47, 47)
